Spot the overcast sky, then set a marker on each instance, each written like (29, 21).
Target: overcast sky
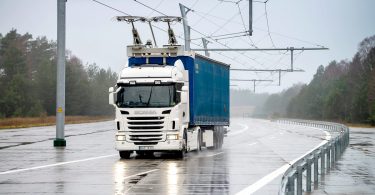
(93, 35)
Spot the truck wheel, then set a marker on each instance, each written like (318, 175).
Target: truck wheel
(199, 141)
(180, 154)
(220, 138)
(124, 154)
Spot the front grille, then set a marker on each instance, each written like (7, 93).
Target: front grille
(145, 130)
(145, 123)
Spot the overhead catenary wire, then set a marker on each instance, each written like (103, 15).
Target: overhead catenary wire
(222, 35)
(150, 7)
(157, 6)
(195, 3)
(244, 26)
(260, 29)
(213, 8)
(120, 11)
(223, 25)
(218, 37)
(268, 26)
(250, 44)
(101, 3)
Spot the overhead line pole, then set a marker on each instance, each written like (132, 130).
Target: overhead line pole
(205, 42)
(60, 88)
(291, 57)
(186, 27)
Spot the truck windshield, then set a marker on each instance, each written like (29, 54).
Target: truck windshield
(146, 96)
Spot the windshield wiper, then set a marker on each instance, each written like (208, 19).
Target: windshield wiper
(149, 98)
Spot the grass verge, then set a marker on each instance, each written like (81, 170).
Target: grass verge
(12, 123)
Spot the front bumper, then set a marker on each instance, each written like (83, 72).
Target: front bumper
(168, 145)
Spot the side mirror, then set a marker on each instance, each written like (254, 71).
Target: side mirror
(184, 94)
(112, 98)
(185, 88)
(184, 97)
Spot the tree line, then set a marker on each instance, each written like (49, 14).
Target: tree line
(28, 80)
(341, 91)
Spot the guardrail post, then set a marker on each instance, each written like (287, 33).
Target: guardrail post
(316, 158)
(299, 179)
(338, 149)
(328, 157)
(308, 175)
(290, 185)
(333, 155)
(322, 161)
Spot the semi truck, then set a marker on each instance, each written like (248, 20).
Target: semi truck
(169, 100)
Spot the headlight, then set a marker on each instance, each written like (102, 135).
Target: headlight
(120, 138)
(172, 137)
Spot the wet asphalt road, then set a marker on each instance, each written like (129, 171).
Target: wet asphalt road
(354, 173)
(250, 159)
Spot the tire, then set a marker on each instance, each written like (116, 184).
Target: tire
(125, 154)
(180, 154)
(216, 140)
(218, 137)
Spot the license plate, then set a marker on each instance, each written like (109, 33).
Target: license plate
(146, 147)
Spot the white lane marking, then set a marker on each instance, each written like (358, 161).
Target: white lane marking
(150, 171)
(214, 154)
(244, 128)
(56, 164)
(252, 144)
(271, 176)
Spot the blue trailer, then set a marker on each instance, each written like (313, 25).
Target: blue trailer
(209, 87)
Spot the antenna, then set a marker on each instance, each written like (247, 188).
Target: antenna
(131, 19)
(168, 19)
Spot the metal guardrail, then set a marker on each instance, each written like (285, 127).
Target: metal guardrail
(320, 160)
